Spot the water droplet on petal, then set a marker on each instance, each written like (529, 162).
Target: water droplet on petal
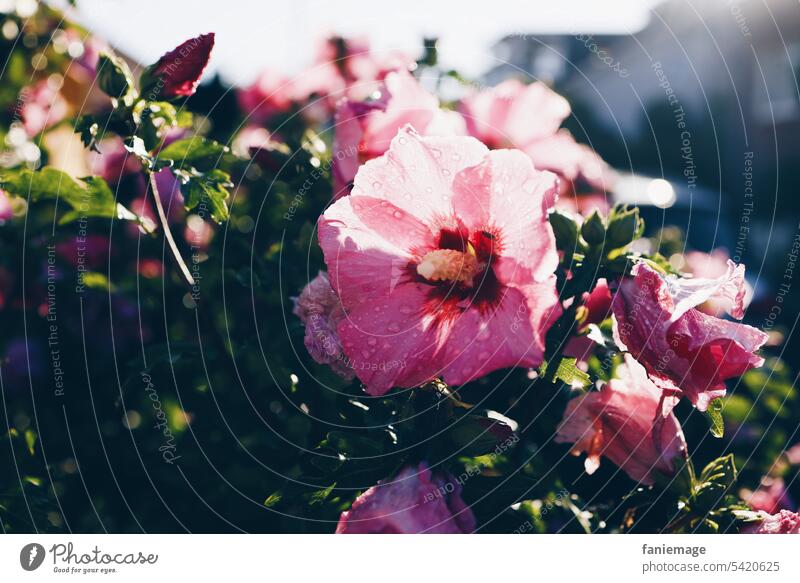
(376, 185)
(372, 341)
(398, 214)
(529, 185)
(394, 327)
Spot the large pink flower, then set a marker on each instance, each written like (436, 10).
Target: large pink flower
(711, 266)
(528, 117)
(685, 351)
(623, 422)
(784, 522)
(416, 501)
(364, 129)
(443, 258)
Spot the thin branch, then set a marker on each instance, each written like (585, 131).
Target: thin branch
(162, 217)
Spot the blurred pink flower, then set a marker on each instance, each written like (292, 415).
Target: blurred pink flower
(685, 351)
(443, 258)
(623, 422)
(341, 68)
(319, 308)
(42, 107)
(711, 266)
(528, 117)
(783, 522)
(266, 98)
(113, 162)
(770, 496)
(415, 501)
(198, 233)
(91, 251)
(514, 115)
(364, 129)
(6, 208)
(793, 454)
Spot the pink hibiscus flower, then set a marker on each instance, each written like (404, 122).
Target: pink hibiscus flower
(710, 266)
(623, 422)
(443, 258)
(784, 522)
(685, 351)
(364, 129)
(770, 496)
(416, 501)
(528, 117)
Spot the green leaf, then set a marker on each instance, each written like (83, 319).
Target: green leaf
(90, 198)
(593, 230)
(88, 127)
(320, 496)
(568, 373)
(115, 78)
(714, 414)
(565, 229)
(209, 190)
(482, 432)
(273, 499)
(197, 152)
(720, 471)
(623, 227)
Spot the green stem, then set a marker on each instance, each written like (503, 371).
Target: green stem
(162, 217)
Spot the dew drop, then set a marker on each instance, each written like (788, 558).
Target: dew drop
(529, 185)
(394, 327)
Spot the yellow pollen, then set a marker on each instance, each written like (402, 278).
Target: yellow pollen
(448, 265)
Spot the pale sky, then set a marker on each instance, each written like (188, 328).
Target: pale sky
(252, 34)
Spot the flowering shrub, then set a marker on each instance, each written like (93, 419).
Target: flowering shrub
(341, 302)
